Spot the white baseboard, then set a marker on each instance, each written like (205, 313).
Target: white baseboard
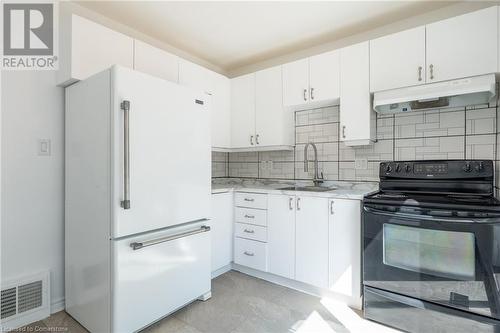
(57, 305)
(353, 302)
(222, 270)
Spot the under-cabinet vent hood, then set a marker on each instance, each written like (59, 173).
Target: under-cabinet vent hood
(468, 91)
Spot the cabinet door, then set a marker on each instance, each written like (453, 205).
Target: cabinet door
(243, 111)
(345, 248)
(462, 46)
(398, 60)
(154, 61)
(95, 48)
(221, 112)
(281, 235)
(273, 124)
(222, 230)
(196, 76)
(356, 114)
(311, 261)
(324, 77)
(296, 82)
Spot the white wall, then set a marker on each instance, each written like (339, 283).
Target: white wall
(32, 186)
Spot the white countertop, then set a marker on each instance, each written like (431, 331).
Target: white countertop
(345, 190)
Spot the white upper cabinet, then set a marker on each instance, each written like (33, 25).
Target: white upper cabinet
(281, 235)
(356, 113)
(312, 82)
(221, 112)
(154, 61)
(311, 230)
(88, 48)
(462, 46)
(243, 111)
(296, 82)
(324, 77)
(273, 125)
(196, 76)
(398, 60)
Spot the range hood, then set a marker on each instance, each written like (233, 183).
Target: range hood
(468, 91)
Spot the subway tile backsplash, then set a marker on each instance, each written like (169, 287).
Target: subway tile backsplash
(459, 133)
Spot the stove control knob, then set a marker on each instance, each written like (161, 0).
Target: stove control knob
(467, 167)
(407, 167)
(480, 167)
(398, 168)
(388, 168)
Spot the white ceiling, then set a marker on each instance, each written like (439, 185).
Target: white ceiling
(231, 35)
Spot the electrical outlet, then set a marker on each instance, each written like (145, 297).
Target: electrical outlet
(361, 164)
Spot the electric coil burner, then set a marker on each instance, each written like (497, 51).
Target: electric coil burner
(431, 247)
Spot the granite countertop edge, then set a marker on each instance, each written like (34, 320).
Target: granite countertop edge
(355, 191)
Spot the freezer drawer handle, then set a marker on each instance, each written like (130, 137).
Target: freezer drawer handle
(250, 254)
(249, 216)
(249, 231)
(249, 199)
(125, 106)
(140, 245)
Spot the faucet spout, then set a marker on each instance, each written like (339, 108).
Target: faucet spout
(317, 179)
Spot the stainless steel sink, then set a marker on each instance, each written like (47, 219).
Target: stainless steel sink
(308, 188)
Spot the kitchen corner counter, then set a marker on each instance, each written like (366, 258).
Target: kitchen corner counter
(344, 190)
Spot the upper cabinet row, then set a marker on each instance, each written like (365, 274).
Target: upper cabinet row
(462, 46)
(88, 48)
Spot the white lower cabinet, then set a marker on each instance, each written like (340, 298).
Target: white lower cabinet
(345, 248)
(311, 241)
(222, 230)
(281, 235)
(305, 238)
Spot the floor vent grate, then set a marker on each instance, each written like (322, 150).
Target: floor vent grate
(8, 303)
(30, 296)
(24, 300)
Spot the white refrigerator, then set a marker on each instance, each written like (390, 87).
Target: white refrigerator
(137, 199)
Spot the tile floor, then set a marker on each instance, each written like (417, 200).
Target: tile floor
(243, 304)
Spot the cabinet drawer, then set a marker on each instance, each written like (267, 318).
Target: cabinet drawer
(250, 253)
(250, 232)
(251, 200)
(250, 216)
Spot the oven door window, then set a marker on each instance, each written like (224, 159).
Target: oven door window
(447, 254)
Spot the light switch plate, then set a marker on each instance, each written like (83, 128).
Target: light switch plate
(361, 164)
(44, 147)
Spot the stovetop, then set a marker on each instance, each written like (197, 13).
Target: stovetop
(443, 201)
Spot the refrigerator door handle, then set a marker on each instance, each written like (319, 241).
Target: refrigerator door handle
(125, 106)
(140, 245)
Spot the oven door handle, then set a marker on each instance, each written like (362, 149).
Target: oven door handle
(428, 217)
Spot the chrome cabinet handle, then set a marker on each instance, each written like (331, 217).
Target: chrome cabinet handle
(251, 140)
(125, 106)
(249, 216)
(305, 96)
(312, 93)
(257, 139)
(343, 132)
(139, 245)
(298, 203)
(331, 207)
(290, 201)
(431, 68)
(250, 254)
(420, 73)
(249, 199)
(249, 231)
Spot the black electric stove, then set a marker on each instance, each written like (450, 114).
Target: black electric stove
(431, 247)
